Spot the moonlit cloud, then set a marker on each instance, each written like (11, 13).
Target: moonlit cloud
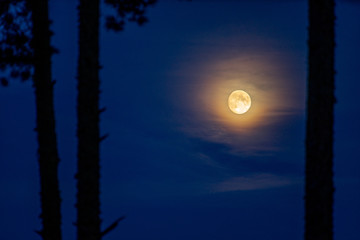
(201, 86)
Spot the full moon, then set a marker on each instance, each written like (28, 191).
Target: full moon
(239, 102)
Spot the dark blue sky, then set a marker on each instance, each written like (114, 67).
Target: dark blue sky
(177, 162)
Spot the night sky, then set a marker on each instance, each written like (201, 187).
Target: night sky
(178, 163)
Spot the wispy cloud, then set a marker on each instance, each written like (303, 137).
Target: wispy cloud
(252, 182)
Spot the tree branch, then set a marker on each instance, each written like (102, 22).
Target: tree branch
(112, 226)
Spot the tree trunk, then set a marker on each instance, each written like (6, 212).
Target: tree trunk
(319, 185)
(88, 175)
(45, 122)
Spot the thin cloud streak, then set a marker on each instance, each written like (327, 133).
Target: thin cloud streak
(252, 182)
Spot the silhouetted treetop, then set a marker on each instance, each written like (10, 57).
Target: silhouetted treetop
(127, 10)
(16, 52)
(16, 48)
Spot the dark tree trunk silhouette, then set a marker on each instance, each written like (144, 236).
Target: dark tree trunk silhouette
(319, 185)
(88, 133)
(25, 47)
(88, 175)
(45, 122)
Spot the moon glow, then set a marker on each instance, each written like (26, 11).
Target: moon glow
(239, 102)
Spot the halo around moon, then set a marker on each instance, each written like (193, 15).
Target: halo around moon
(239, 102)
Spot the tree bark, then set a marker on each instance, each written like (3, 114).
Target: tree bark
(319, 185)
(88, 175)
(45, 122)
